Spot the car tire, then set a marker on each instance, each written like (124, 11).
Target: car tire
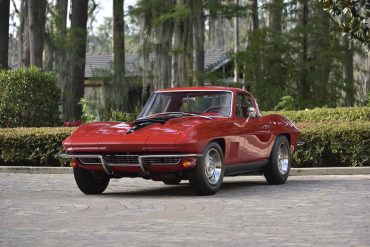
(277, 171)
(90, 182)
(206, 178)
(172, 180)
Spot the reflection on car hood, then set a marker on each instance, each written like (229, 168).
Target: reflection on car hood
(116, 136)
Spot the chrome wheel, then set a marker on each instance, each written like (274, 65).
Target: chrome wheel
(277, 171)
(206, 178)
(283, 158)
(213, 165)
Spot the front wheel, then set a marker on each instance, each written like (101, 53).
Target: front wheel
(90, 182)
(277, 171)
(206, 178)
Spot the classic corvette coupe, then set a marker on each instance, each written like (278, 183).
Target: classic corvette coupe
(200, 134)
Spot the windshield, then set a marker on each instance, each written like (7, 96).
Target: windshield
(207, 103)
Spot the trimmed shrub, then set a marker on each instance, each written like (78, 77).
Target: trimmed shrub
(326, 144)
(327, 114)
(32, 146)
(333, 144)
(29, 98)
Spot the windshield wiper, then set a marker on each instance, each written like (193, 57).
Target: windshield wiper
(179, 113)
(150, 120)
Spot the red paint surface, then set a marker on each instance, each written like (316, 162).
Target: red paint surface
(246, 139)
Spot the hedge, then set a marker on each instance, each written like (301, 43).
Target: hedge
(334, 144)
(32, 146)
(326, 144)
(29, 98)
(327, 114)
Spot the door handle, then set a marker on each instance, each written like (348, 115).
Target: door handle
(266, 126)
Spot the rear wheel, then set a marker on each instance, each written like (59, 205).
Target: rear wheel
(90, 182)
(206, 178)
(277, 171)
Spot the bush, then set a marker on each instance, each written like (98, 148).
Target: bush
(287, 103)
(326, 144)
(104, 113)
(32, 146)
(327, 114)
(334, 144)
(29, 98)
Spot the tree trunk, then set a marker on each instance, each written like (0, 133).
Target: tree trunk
(275, 15)
(182, 46)
(61, 64)
(276, 80)
(199, 29)
(24, 36)
(48, 53)
(236, 45)
(36, 14)
(162, 66)
(120, 87)
(304, 87)
(218, 35)
(74, 90)
(348, 73)
(4, 32)
(254, 8)
(254, 43)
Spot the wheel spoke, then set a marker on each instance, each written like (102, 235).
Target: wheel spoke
(213, 164)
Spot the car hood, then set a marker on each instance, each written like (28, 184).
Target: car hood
(118, 136)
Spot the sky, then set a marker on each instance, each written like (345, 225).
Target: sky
(105, 8)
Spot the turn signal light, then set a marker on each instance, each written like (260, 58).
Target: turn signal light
(73, 163)
(189, 162)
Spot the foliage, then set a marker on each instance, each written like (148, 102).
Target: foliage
(339, 144)
(29, 98)
(326, 144)
(87, 115)
(352, 16)
(104, 113)
(347, 114)
(303, 61)
(32, 146)
(368, 99)
(287, 103)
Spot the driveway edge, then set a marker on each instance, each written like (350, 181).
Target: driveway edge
(293, 171)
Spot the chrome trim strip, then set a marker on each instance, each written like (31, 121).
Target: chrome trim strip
(89, 163)
(141, 157)
(105, 167)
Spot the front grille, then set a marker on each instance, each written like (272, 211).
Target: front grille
(131, 160)
(90, 161)
(122, 159)
(161, 160)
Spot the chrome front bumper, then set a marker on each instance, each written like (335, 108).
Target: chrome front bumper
(106, 165)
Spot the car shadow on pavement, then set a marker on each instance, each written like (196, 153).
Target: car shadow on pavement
(184, 190)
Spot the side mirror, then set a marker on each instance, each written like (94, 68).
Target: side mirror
(252, 112)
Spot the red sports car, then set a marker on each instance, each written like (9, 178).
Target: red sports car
(200, 134)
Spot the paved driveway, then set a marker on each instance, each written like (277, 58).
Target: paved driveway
(48, 210)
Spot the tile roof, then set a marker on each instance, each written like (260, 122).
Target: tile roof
(100, 64)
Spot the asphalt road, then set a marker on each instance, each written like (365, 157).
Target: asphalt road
(49, 210)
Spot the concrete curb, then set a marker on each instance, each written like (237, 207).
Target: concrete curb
(35, 170)
(293, 171)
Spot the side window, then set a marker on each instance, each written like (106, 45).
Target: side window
(243, 102)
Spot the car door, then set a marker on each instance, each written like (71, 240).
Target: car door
(255, 136)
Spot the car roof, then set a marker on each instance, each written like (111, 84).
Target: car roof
(204, 88)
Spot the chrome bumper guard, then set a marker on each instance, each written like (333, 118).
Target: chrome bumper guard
(106, 166)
